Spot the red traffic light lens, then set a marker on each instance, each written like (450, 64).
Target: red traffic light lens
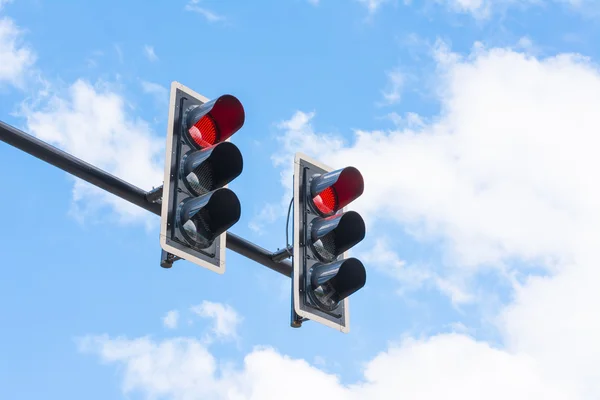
(335, 190)
(204, 132)
(214, 121)
(326, 201)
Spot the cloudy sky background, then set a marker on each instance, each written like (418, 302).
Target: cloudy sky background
(474, 122)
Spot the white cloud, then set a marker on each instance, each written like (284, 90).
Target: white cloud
(299, 135)
(504, 178)
(456, 366)
(479, 172)
(91, 122)
(160, 93)
(194, 6)
(372, 5)
(171, 319)
(150, 54)
(267, 215)
(482, 9)
(412, 277)
(119, 52)
(154, 88)
(16, 56)
(479, 8)
(445, 366)
(506, 173)
(581, 5)
(225, 319)
(392, 93)
(318, 360)
(177, 368)
(293, 140)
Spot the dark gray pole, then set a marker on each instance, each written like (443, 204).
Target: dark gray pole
(125, 190)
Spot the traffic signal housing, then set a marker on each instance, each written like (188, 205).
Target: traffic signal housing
(197, 206)
(323, 275)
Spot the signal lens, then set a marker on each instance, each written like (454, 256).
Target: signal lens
(214, 121)
(326, 296)
(326, 201)
(334, 235)
(201, 180)
(198, 228)
(332, 283)
(204, 132)
(326, 247)
(336, 189)
(202, 219)
(206, 170)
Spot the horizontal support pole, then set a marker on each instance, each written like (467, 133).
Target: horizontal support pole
(75, 166)
(258, 254)
(124, 190)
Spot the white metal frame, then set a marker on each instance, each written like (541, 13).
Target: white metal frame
(345, 328)
(165, 199)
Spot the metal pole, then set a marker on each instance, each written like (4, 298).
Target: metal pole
(258, 254)
(125, 190)
(75, 166)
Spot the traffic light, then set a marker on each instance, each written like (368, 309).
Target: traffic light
(323, 274)
(197, 206)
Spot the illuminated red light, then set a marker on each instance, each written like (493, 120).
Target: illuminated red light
(335, 190)
(326, 201)
(214, 121)
(204, 132)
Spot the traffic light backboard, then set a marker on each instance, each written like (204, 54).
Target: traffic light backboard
(323, 274)
(197, 206)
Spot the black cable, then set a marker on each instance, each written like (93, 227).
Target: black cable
(287, 227)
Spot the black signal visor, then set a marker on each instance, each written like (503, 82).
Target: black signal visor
(202, 219)
(209, 169)
(332, 283)
(334, 235)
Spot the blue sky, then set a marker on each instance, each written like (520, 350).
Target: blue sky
(474, 123)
